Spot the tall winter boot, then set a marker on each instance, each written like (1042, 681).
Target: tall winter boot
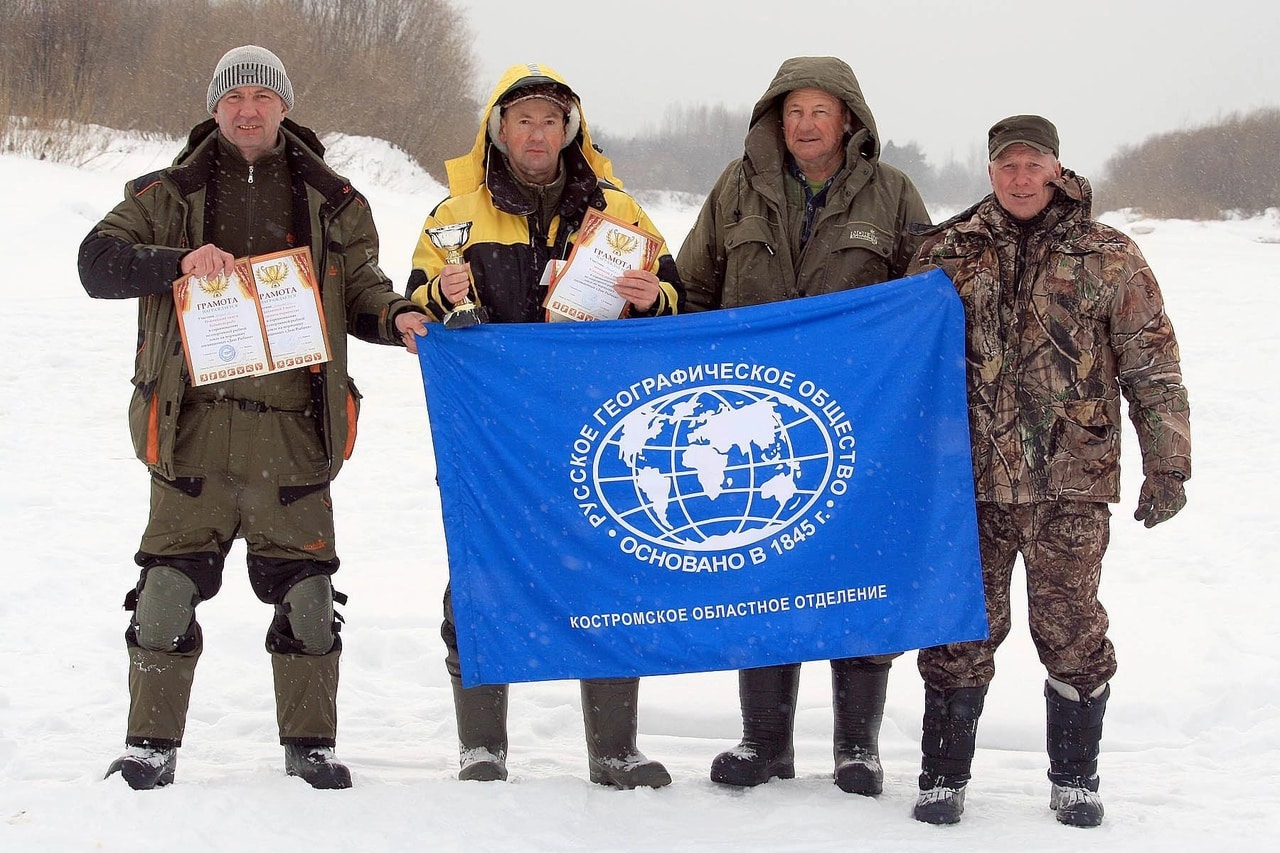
(858, 688)
(306, 689)
(482, 731)
(609, 714)
(159, 695)
(947, 743)
(1072, 736)
(768, 699)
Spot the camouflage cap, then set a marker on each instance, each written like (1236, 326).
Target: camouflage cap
(1036, 131)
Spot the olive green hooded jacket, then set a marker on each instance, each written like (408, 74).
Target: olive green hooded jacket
(135, 252)
(739, 252)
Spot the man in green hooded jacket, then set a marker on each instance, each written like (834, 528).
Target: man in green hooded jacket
(808, 209)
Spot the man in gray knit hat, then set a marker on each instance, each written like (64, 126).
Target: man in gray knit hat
(250, 457)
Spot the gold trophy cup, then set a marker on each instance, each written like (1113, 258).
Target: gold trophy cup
(452, 238)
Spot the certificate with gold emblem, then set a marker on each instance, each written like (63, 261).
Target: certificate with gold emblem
(264, 317)
(292, 315)
(605, 248)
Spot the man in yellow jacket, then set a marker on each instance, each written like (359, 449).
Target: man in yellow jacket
(525, 186)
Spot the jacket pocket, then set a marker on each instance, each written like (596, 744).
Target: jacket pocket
(294, 449)
(1087, 428)
(752, 272)
(352, 417)
(844, 255)
(144, 423)
(747, 231)
(1086, 448)
(159, 378)
(866, 236)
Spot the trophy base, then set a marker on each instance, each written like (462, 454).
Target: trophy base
(461, 318)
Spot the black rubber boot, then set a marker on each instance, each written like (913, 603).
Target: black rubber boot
(947, 743)
(858, 690)
(317, 766)
(145, 766)
(482, 731)
(768, 699)
(609, 714)
(1073, 734)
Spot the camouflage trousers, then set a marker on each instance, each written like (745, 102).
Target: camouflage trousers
(1062, 544)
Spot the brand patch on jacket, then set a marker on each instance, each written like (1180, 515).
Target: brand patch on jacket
(864, 235)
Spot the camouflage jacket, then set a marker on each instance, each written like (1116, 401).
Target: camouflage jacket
(1063, 316)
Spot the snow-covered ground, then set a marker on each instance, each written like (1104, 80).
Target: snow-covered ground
(1191, 753)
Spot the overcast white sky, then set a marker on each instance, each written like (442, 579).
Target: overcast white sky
(937, 72)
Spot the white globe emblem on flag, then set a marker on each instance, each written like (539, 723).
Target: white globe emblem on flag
(713, 468)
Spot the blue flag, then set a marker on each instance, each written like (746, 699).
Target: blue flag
(738, 488)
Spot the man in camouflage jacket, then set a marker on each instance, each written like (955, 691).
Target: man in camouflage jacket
(1063, 316)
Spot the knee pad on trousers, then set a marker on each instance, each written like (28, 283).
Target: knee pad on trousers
(309, 609)
(165, 609)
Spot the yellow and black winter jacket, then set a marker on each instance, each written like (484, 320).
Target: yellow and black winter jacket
(507, 248)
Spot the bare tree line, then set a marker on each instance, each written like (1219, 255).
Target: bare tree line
(399, 70)
(1230, 166)
(404, 71)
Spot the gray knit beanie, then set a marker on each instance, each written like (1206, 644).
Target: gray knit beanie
(249, 65)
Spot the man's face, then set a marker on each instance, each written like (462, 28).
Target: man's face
(249, 118)
(813, 123)
(1020, 179)
(533, 132)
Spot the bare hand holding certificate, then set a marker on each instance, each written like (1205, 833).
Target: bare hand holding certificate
(266, 316)
(605, 248)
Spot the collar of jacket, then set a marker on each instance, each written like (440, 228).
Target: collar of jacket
(1073, 203)
(581, 186)
(764, 161)
(302, 148)
(226, 149)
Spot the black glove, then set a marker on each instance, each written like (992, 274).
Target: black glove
(1161, 497)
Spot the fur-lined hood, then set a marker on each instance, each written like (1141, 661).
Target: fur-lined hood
(467, 173)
